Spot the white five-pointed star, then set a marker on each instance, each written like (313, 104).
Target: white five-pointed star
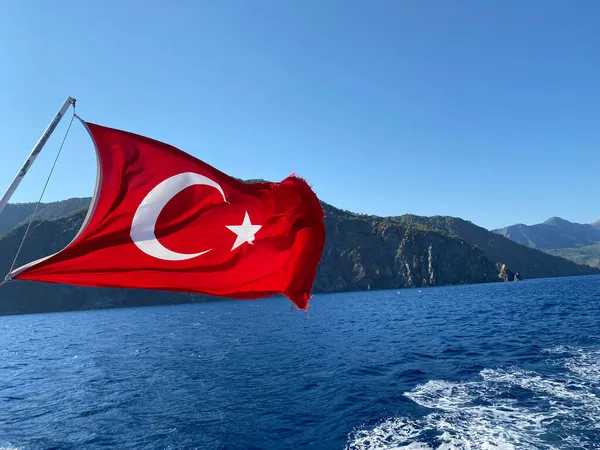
(245, 232)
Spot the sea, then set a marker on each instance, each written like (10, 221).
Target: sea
(490, 366)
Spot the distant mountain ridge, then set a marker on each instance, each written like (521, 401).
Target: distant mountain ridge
(575, 241)
(362, 252)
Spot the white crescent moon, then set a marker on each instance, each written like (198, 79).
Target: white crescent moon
(144, 220)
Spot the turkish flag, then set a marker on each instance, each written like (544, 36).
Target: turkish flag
(162, 219)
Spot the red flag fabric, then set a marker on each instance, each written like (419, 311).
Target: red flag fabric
(162, 219)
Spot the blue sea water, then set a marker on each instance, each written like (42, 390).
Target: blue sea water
(507, 365)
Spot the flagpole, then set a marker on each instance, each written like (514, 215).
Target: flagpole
(35, 152)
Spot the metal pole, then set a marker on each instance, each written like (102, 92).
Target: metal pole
(35, 152)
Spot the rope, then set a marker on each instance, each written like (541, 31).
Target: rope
(39, 200)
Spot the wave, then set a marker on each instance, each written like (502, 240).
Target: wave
(583, 363)
(506, 408)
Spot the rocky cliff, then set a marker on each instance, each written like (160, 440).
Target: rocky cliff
(375, 252)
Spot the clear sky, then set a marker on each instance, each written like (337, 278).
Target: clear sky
(487, 110)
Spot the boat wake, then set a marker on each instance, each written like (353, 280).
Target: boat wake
(507, 408)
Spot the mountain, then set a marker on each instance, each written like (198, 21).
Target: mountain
(362, 252)
(18, 213)
(376, 252)
(589, 254)
(577, 242)
(552, 234)
(528, 262)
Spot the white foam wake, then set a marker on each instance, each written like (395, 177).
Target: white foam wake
(505, 409)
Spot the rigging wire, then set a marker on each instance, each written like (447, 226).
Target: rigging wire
(39, 200)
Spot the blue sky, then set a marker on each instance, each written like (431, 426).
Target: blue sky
(484, 110)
